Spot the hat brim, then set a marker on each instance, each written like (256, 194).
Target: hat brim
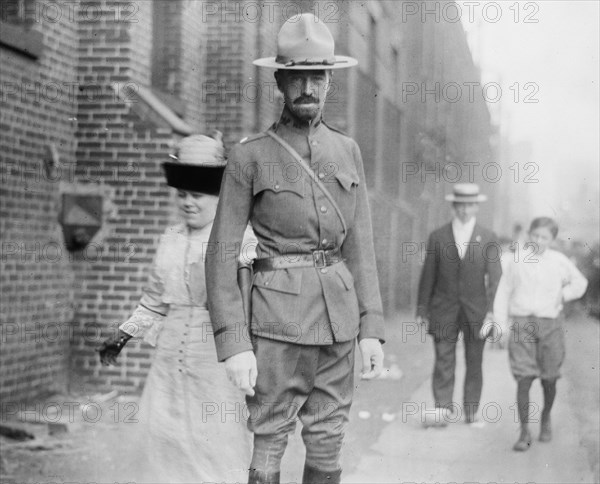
(194, 178)
(466, 198)
(341, 62)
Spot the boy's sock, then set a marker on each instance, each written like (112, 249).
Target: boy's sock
(549, 387)
(523, 386)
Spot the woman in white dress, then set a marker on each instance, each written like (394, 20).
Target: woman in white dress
(193, 417)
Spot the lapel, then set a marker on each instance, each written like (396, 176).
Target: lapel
(474, 244)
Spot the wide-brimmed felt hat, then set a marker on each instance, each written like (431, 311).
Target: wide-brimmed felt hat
(305, 43)
(197, 165)
(466, 193)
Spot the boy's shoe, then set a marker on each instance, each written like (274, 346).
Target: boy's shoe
(524, 441)
(437, 418)
(546, 430)
(475, 423)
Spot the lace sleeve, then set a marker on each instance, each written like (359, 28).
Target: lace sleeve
(144, 323)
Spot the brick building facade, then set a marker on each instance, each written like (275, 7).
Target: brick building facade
(133, 77)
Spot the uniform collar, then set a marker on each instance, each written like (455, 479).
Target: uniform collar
(291, 122)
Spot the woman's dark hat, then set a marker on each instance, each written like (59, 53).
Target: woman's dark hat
(198, 165)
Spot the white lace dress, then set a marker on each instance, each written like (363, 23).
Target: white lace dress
(193, 418)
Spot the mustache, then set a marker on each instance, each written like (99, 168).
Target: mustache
(306, 100)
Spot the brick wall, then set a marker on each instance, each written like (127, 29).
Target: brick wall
(37, 109)
(114, 147)
(118, 156)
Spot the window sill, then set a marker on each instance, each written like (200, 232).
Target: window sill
(23, 41)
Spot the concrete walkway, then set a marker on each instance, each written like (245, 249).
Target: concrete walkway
(406, 452)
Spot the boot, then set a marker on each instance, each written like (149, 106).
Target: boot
(524, 441)
(260, 477)
(316, 476)
(546, 430)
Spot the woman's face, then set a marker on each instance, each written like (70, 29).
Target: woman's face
(197, 209)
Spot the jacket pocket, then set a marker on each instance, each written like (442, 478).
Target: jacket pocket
(284, 280)
(347, 179)
(279, 184)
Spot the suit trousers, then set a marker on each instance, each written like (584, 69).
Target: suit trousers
(312, 383)
(445, 364)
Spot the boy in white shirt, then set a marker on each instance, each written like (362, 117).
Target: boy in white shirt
(530, 295)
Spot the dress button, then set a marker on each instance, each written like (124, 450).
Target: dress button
(323, 209)
(314, 142)
(184, 334)
(324, 270)
(321, 175)
(180, 370)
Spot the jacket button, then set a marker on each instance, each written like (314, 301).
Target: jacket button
(324, 242)
(276, 186)
(321, 175)
(324, 270)
(314, 142)
(323, 209)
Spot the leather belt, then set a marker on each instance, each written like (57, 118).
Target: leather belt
(317, 258)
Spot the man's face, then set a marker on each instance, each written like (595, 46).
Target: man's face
(465, 211)
(304, 92)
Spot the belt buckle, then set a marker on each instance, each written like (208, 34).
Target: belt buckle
(319, 258)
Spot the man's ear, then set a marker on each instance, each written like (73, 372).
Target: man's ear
(277, 75)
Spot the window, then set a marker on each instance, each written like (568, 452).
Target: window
(16, 19)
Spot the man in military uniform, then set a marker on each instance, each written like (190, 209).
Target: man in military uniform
(301, 185)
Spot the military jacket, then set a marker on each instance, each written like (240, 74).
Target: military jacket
(263, 184)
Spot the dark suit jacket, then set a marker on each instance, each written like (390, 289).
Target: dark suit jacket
(449, 284)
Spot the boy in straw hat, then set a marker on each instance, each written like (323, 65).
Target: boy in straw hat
(182, 435)
(456, 293)
(315, 287)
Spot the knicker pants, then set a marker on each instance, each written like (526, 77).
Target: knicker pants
(312, 383)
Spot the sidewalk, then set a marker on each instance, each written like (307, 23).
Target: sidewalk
(407, 452)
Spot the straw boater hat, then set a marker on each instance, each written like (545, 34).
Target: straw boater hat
(466, 193)
(305, 43)
(198, 164)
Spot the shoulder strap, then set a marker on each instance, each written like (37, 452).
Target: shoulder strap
(312, 175)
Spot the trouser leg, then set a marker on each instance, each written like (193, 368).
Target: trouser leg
(444, 366)
(283, 384)
(325, 413)
(474, 374)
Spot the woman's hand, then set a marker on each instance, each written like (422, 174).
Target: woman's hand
(111, 348)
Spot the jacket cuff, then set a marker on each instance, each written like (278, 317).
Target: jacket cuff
(372, 326)
(231, 340)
